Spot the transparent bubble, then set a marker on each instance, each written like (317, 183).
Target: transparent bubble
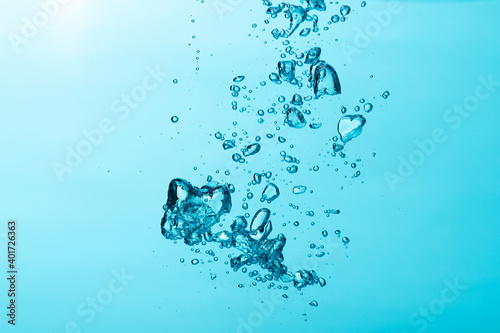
(299, 189)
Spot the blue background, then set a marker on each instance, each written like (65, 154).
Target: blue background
(439, 225)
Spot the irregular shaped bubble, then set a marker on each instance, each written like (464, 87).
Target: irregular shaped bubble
(331, 211)
(295, 118)
(315, 4)
(345, 10)
(312, 55)
(368, 107)
(286, 70)
(257, 178)
(259, 249)
(304, 278)
(299, 189)
(275, 10)
(228, 144)
(350, 126)
(261, 227)
(386, 94)
(304, 33)
(295, 14)
(277, 33)
(252, 149)
(325, 80)
(239, 78)
(270, 193)
(315, 23)
(190, 212)
(236, 157)
(274, 77)
(337, 147)
(313, 303)
(315, 125)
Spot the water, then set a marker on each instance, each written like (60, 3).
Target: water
(314, 166)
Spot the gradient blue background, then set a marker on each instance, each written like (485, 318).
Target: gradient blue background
(440, 224)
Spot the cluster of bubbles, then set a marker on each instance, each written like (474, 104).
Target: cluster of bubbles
(192, 214)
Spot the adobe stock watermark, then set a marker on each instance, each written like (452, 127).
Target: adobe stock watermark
(31, 26)
(121, 107)
(89, 309)
(222, 7)
(263, 309)
(454, 117)
(425, 315)
(372, 29)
